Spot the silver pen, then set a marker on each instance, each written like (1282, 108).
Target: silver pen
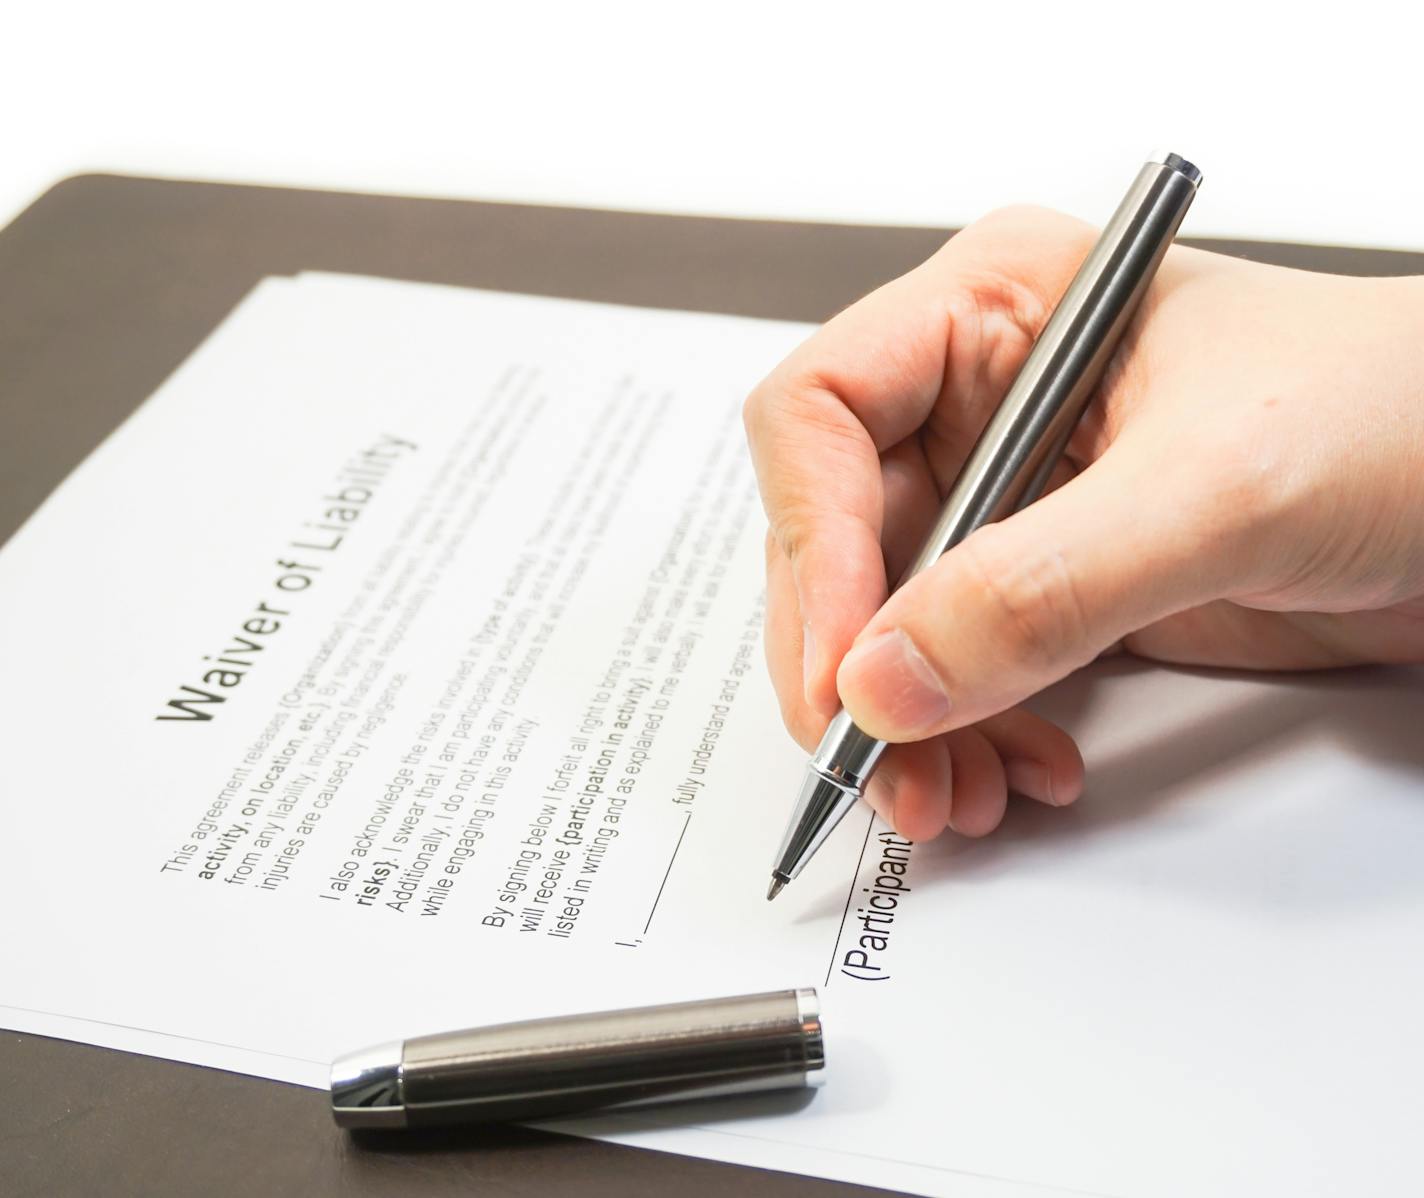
(1016, 452)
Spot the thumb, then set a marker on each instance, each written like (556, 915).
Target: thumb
(1022, 603)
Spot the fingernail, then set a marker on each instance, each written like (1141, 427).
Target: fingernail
(808, 662)
(903, 685)
(1030, 778)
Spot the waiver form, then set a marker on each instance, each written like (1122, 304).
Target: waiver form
(397, 668)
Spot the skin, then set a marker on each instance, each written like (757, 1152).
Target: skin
(1246, 490)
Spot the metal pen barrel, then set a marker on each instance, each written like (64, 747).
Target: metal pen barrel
(1015, 454)
(608, 1060)
(1031, 426)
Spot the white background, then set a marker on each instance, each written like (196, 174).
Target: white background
(1303, 118)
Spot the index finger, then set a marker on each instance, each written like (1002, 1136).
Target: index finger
(816, 427)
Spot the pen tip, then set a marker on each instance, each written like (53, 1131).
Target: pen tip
(777, 882)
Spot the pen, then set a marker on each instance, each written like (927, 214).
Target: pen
(1016, 452)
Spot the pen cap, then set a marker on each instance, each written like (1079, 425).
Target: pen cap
(608, 1060)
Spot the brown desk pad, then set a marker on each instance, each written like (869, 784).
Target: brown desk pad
(106, 284)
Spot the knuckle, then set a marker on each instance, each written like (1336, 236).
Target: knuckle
(754, 409)
(1034, 612)
(822, 467)
(795, 527)
(1021, 214)
(1032, 220)
(798, 718)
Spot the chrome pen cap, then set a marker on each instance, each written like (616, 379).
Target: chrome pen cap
(366, 1087)
(608, 1060)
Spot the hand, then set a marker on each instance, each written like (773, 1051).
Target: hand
(1246, 489)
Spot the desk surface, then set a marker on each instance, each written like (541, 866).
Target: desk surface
(106, 284)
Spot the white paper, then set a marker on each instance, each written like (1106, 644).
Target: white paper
(1204, 978)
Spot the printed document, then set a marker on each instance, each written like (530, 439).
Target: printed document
(397, 668)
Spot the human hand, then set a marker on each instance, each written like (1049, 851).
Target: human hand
(1246, 489)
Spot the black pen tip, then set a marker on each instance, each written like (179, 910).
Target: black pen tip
(777, 882)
